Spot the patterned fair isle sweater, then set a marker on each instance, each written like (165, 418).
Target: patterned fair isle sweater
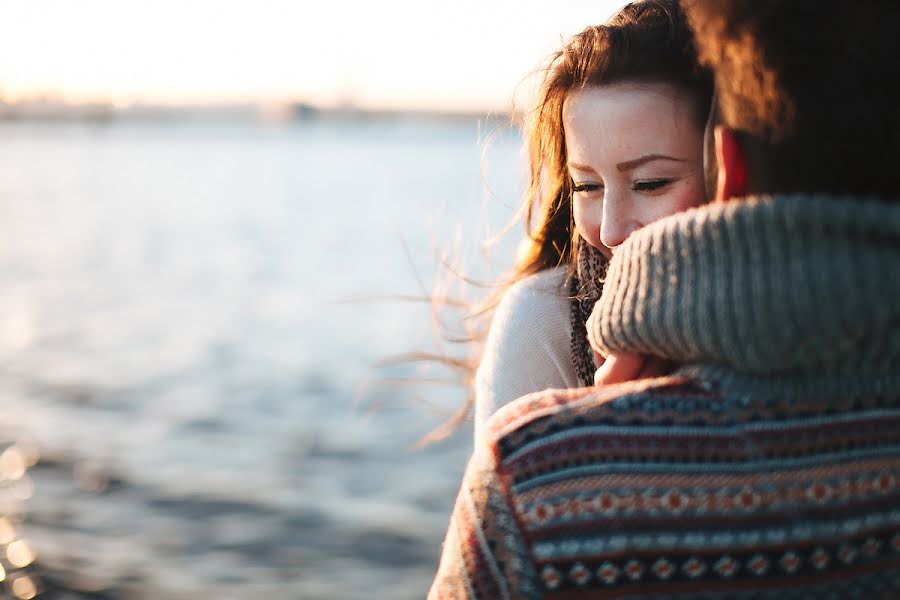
(766, 467)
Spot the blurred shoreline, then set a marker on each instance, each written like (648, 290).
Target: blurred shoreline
(54, 110)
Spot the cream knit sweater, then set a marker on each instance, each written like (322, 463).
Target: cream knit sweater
(529, 346)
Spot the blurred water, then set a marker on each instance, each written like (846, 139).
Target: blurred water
(189, 315)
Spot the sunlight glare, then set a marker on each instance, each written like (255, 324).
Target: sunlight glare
(23, 587)
(19, 554)
(398, 53)
(7, 531)
(12, 464)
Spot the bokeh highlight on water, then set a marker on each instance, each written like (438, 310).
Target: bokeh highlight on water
(189, 319)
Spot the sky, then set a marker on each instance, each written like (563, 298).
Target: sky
(412, 54)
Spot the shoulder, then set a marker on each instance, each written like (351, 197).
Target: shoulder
(528, 347)
(533, 313)
(579, 477)
(632, 405)
(539, 297)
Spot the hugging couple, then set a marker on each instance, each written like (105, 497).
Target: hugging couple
(691, 383)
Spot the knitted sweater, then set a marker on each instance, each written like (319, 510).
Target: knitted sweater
(766, 467)
(529, 345)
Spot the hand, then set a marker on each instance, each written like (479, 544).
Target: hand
(628, 366)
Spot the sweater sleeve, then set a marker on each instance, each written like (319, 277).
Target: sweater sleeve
(485, 555)
(528, 347)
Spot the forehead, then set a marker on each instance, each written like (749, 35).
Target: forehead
(624, 120)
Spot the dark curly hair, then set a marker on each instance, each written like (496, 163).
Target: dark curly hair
(811, 88)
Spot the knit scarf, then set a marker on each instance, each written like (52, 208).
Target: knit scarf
(585, 286)
(800, 290)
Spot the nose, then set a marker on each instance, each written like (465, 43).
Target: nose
(618, 222)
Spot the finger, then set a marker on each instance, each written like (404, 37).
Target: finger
(655, 367)
(618, 368)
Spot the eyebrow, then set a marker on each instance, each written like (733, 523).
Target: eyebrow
(629, 165)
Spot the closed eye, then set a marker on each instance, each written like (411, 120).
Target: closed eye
(586, 187)
(652, 185)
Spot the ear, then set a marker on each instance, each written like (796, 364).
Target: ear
(732, 182)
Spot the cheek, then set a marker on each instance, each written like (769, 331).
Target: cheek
(693, 194)
(687, 196)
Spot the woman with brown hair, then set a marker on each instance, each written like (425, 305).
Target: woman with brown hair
(615, 142)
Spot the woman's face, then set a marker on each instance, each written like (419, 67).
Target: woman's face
(635, 153)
